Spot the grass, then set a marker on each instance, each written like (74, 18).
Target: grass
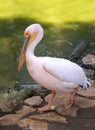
(65, 23)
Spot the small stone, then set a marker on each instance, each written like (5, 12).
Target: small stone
(52, 108)
(35, 100)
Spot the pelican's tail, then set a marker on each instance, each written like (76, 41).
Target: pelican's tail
(86, 84)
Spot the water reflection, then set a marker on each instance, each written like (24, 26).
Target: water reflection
(58, 41)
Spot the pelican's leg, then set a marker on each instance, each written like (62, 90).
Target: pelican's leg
(72, 98)
(48, 106)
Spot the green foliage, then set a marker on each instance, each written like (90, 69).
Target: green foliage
(51, 11)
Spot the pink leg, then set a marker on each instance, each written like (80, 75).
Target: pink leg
(72, 98)
(48, 106)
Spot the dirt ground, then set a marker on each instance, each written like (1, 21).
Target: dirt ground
(85, 120)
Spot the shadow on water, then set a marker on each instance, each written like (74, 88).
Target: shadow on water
(58, 41)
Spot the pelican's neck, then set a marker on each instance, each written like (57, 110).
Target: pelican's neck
(31, 48)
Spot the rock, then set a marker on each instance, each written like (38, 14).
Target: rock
(92, 82)
(62, 99)
(11, 98)
(9, 119)
(89, 73)
(88, 93)
(59, 100)
(89, 60)
(5, 106)
(50, 116)
(83, 102)
(4, 103)
(35, 100)
(14, 118)
(10, 127)
(41, 122)
(31, 124)
(25, 110)
(67, 112)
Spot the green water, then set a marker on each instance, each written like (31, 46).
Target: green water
(57, 42)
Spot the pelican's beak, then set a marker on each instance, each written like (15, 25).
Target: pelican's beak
(22, 56)
(27, 41)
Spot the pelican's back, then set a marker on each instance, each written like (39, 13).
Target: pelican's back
(67, 71)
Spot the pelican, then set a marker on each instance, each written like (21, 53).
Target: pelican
(56, 74)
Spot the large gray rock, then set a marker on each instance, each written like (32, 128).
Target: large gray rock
(89, 60)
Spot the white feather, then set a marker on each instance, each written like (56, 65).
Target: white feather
(65, 70)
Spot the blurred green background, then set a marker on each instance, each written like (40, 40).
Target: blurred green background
(65, 23)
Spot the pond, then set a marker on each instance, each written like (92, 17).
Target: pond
(58, 41)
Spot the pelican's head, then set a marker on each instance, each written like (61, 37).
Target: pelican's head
(32, 33)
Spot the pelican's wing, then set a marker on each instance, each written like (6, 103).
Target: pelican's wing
(65, 70)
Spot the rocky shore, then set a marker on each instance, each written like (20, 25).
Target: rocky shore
(18, 106)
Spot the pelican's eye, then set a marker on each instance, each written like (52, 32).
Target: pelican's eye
(27, 34)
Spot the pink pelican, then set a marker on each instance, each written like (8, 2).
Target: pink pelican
(56, 74)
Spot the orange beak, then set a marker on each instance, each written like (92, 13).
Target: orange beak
(28, 40)
(22, 56)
